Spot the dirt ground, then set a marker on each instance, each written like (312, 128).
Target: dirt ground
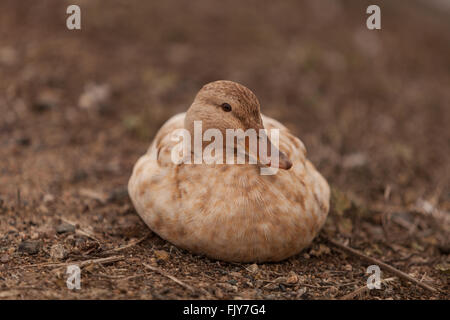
(78, 108)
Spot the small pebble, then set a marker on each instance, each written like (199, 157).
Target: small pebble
(23, 141)
(301, 292)
(47, 99)
(65, 228)
(30, 247)
(293, 278)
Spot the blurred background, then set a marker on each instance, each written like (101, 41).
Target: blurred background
(79, 107)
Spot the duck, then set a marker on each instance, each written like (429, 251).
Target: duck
(229, 211)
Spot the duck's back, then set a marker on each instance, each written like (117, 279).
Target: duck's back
(230, 212)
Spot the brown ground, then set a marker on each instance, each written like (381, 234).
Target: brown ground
(372, 107)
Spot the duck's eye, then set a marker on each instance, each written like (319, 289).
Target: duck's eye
(226, 107)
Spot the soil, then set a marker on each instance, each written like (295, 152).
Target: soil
(79, 107)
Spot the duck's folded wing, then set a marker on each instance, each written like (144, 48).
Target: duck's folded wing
(164, 141)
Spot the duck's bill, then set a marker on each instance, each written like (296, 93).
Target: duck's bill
(269, 155)
(276, 158)
(283, 162)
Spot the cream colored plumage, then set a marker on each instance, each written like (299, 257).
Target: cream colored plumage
(225, 211)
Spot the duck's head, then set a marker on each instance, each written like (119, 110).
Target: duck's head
(226, 105)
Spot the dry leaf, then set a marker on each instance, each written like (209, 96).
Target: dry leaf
(161, 254)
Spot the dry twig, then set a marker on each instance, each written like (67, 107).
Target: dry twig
(80, 230)
(181, 283)
(381, 264)
(131, 244)
(78, 263)
(362, 289)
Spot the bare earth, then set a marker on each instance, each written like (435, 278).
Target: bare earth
(77, 109)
